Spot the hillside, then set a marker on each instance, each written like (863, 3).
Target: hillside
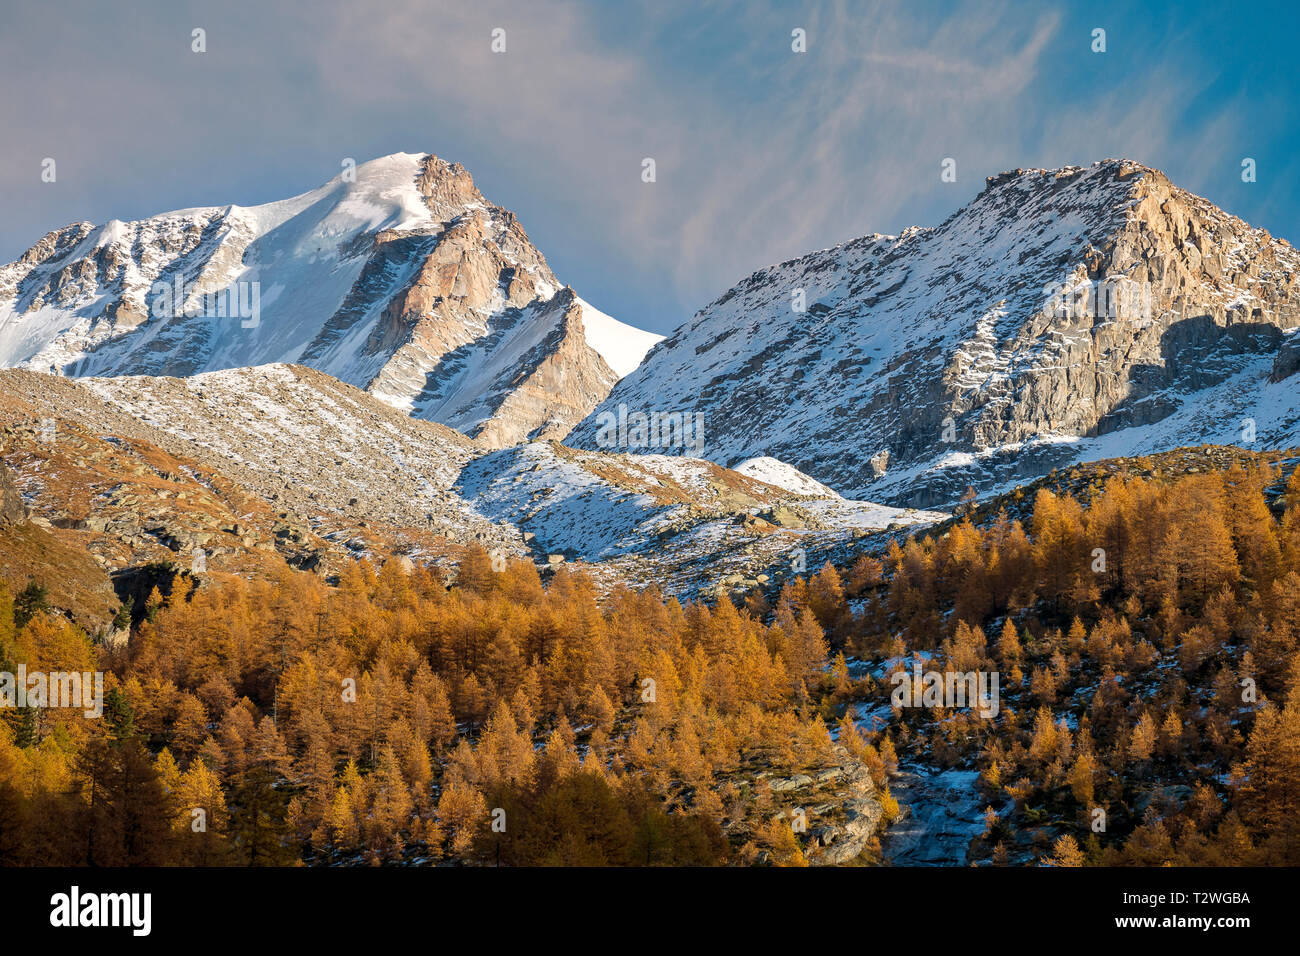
(286, 463)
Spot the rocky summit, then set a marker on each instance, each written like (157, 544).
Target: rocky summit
(1062, 315)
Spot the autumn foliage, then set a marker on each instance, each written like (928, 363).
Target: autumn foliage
(1146, 639)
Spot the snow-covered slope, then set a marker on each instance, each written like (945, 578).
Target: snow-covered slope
(595, 505)
(684, 525)
(337, 472)
(778, 473)
(287, 434)
(901, 368)
(398, 277)
(621, 346)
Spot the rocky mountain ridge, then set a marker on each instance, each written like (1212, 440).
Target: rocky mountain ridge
(1061, 315)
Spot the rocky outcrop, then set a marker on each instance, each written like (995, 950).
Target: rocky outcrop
(1287, 362)
(552, 387)
(1057, 309)
(836, 810)
(12, 509)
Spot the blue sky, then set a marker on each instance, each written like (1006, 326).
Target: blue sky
(762, 154)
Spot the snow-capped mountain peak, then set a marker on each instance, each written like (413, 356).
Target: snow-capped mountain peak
(1057, 308)
(397, 276)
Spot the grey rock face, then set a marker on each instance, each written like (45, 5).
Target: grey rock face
(841, 808)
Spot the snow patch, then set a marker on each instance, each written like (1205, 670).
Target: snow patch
(619, 344)
(776, 472)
